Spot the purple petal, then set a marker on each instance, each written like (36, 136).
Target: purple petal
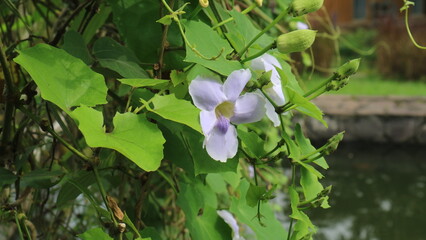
(222, 146)
(207, 121)
(235, 83)
(301, 25)
(206, 93)
(222, 124)
(249, 108)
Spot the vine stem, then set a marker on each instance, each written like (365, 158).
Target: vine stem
(54, 134)
(103, 193)
(260, 53)
(272, 24)
(245, 11)
(10, 95)
(21, 235)
(409, 32)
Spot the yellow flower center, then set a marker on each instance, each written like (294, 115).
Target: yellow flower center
(225, 109)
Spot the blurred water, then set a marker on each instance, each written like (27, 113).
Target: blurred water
(379, 193)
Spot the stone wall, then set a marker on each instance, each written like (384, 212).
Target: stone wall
(370, 119)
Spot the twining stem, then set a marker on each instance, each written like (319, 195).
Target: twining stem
(54, 134)
(18, 225)
(260, 53)
(9, 95)
(103, 193)
(245, 11)
(409, 32)
(272, 24)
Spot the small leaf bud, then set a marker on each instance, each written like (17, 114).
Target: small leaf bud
(301, 7)
(204, 3)
(348, 69)
(333, 143)
(296, 41)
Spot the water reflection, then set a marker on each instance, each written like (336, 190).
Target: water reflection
(378, 194)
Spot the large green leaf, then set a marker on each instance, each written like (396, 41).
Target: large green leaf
(118, 58)
(272, 229)
(74, 44)
(199, 204)
(177, 110)
(136, 22)
(63, 79)
(95, 234)
(211, 49)
(252, 143)
(311, 186)
(133, 136)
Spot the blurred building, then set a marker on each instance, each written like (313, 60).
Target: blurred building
(366, 11)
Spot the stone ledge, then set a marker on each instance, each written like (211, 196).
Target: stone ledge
(370, 119)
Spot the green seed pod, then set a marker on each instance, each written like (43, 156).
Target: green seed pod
(296, 41)
(301, 7)
(348, 69)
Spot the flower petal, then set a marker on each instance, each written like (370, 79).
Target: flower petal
(231, 221)
(276, 94)
(207, 121)
(235, 83)
(267, 63)
(222, 146)
(248, 108)
(270, 111)
(206, 93)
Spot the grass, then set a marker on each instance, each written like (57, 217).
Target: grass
(375, 85)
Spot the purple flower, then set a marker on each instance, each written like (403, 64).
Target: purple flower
(221, 105)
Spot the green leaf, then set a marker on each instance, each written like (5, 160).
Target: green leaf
(95, 234)
(166, 20)
(136, 22)
(306, 147)
(139, 82)
(133, 136)
(254, 195)
(304, 225)
(304, 105)
(252, 143)
(199, 205)
(177, 110)
(6, 177)
(272, 228)
(74, 44)
(118, 58)
(212, 49)
(287, 77)
(69, 192)
(185, 148)
(180, 84)
(41, 178)
(311, 186)
(63, 79)
(243, 31)
(152, 233)
(97, 20)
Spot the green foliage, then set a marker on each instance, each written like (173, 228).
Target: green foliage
(133, 136)
(115, 124)
(70, 82)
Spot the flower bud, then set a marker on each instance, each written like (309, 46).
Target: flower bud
(204, 3)
(296, 41)
(333, 143)
(258, 2)
(348, 69)
(301, 7)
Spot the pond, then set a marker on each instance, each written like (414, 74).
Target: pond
(379, 193)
